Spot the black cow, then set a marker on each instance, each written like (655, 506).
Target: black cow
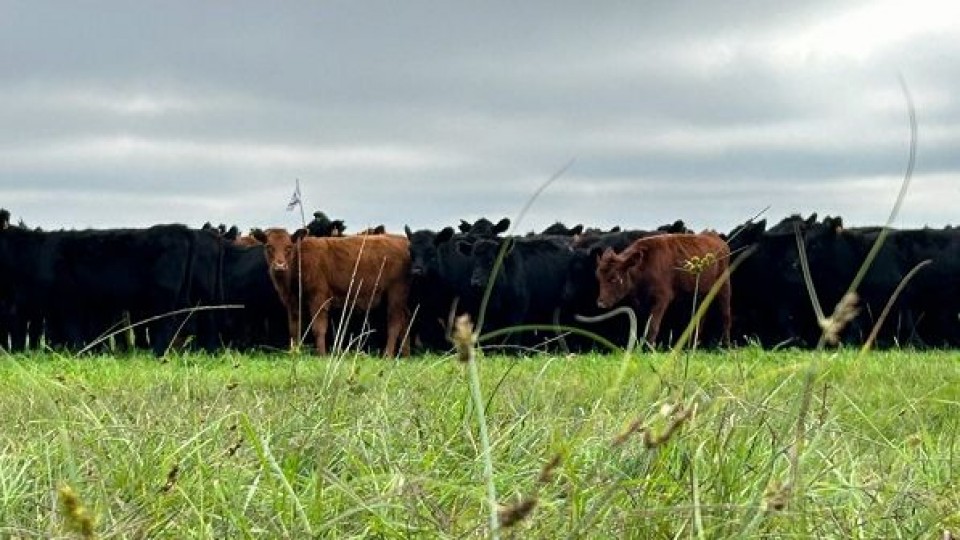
(528, 285)
(81, 283)
(441, 267)
(21, 325)
(770, 303)
(101, 274)
(440, 276)
(559, 229)
(677, 227)
(27, 281)
(262, 321)
(484, 228)
(322, 226)
(925, 313)
(230, 234)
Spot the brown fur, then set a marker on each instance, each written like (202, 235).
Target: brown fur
(653, 268)
(328, 266)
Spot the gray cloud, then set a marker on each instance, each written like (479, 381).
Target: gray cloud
(119, 114)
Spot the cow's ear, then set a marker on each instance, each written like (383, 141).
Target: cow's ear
(501, 226)
(464, 226)
(409, 233)
(577, 230)
(443, 236)
(812, 220)
(605, 254)
(232, 233)
(749, 232)
(635, 255)
(259, 235)
(298, 235)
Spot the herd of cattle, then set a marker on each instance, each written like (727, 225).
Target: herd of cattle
(211, 288)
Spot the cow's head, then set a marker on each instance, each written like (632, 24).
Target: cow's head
(232, 234)
(279, 247)
(484, 253)
(746, 234)
(484, 228)
(580, 287)
(615, 274)
(560, 229)
(834, 223)
(424, 255)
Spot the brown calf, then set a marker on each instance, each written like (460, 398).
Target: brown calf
(336, 272)
(657, 268)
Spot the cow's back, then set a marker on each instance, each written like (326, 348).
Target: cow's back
(680, 258)
(380, 260)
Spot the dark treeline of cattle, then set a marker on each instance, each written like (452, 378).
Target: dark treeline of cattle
(67, 289)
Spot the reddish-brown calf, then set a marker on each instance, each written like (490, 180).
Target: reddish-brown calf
(657, 268)
(362, 270)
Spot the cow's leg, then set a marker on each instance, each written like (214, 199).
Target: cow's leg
(293, 324)
(320, 323)
(319, 319)
(292, 311)
(161, 334)
(397, 320)
(661, 301)
(18, 332)
(724, 298)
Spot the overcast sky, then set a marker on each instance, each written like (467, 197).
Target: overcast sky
(420, 113)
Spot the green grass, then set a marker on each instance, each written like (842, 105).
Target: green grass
(264, 447)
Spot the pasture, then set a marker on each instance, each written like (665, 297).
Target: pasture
(789, 444)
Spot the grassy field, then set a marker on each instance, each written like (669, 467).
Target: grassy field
(780, 445)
